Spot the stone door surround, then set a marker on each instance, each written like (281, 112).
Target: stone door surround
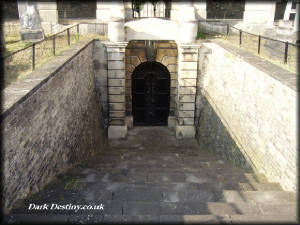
(181, 60)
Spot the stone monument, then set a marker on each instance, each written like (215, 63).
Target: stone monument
(31, 29)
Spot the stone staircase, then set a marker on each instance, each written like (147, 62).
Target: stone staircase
(153, 178)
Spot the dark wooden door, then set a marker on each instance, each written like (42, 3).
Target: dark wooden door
(150, 94)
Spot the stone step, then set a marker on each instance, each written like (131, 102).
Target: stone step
(163, 167)
(230, 180)
(254, 186)
(174, 186)
(180, 152)
(219, 208)
(256, 178)
(227, 219)
(156, 193)
(149, 212)
(256, 196)
(206, 208)
(151, 219)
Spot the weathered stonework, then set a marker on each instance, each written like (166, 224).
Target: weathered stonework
(166, 55)
(188, 55)
(254, 106)
(117, 127)
(52, 126)
(101, 73)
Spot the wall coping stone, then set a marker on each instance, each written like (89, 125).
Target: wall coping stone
(19, 91)
(189, 45)
(287, 78)
(116, 44)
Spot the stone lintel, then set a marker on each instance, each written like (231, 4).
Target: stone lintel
(120, 45)
(189, 46)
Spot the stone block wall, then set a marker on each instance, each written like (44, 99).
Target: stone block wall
(53, 126)
(100, 71)
(247, 112)
(116, 89)
(116, 83)
(187, 82)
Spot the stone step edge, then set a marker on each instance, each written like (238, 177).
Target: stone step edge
(187, 219)
(254, 185)
(157, 185)
(175, 183)
(206, 186)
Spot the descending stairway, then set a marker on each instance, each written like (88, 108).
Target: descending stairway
(153, 178)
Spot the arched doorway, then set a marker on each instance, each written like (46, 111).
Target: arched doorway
(150, 94)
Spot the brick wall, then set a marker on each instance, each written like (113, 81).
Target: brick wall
(53, 127)
(248, 112)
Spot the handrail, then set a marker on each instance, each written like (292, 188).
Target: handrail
(265, 37)
(45, 39)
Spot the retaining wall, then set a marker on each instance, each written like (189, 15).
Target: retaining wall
(50, 122)
(247, 112)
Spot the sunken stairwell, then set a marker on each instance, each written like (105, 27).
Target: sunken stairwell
(153, 177)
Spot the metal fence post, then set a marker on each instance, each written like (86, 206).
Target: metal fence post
(227, 29)
(286, 52)
(53, 44)
(68, 33)
(240, 37)
(78, 31)
(33, 56)
(258, 46)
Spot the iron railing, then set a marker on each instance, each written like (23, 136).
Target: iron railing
(159, 10)
(27, 59)
(283, 52)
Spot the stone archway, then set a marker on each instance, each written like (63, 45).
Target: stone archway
(150, 94)
(135, 54)
(182, 64)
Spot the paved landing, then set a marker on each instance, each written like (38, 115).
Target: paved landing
(153, 178)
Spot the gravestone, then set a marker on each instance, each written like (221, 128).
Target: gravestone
(31, 29)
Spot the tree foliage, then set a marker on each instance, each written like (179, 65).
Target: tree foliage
(137, 4)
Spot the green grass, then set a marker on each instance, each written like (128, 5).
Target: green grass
(201, 35)
(251, 46)
(19, 65)
(11, 46)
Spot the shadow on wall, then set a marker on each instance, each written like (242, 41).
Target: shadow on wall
(212, 135)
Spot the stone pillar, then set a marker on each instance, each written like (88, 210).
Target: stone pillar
(116, 32)
(48, 15)
(296, 23)
(187, 25)
(200, 8)
(107, 10)
(187, 83)
(175, 6)
(113, 14)
(116, 89)
(259, 12)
